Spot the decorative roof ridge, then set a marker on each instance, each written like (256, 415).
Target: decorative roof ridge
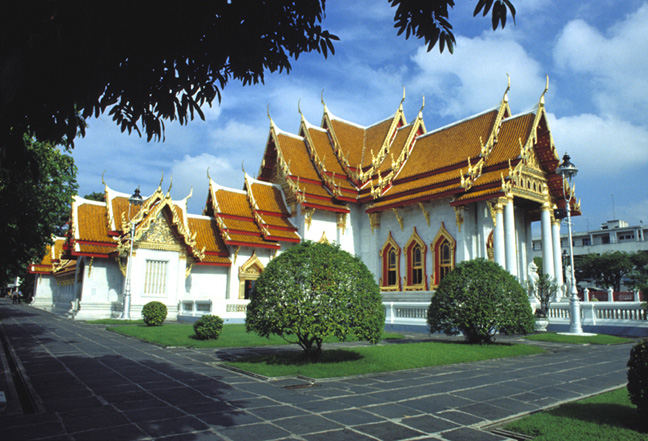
(331, 116)
(279, 131)
(217, 186)
(521, 114)
(199, 216)
(456, 123)
(310, 125)
(391, 117)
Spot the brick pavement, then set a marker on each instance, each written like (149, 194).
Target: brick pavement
(91, 384)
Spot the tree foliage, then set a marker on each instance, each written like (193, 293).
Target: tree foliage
(638, 377)
(154, 313)
(95, 196)
(315, 290)
(544, 291)
(35, 196)
(607, 269)
(478, 299)
(148, 61)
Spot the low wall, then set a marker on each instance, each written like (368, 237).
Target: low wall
(617, 318)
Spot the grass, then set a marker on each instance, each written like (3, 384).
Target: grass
(115, 322)
(383, 358)
(598, 339)
(609, 416)
(182, 334)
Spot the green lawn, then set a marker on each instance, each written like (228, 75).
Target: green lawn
(182, 334)
(382, 358)
(606, 417)
(598, 339)
(115, 322)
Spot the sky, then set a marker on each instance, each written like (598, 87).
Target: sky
(593, 52)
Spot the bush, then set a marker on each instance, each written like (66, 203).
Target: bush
(154, 313)
(208, 327)
(315, 290)
(480, 298)
(638, 376)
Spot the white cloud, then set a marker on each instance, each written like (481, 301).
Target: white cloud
(474, 77)
(191, 172)
(614, 63)
(602, 145)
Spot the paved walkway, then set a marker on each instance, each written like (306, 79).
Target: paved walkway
(90, 384)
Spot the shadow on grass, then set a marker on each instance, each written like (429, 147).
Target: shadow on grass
(294, 358)
(614, 415)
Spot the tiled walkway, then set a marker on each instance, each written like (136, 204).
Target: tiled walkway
(94, 384)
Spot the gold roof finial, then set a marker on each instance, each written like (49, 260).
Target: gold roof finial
(508, 87)
(422, 107)
(403, 99)
(268, 113)
(102, 179)
(242, 167)
(170, 185)
(542, 99)
(161, 179)
(322, 97)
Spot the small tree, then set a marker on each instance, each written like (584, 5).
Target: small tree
(480, 298)
(544, 290)
(315, 290)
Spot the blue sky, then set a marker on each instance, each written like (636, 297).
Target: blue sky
(593, 52)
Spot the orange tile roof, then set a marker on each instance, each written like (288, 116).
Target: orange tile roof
(294, 152)
(351, 140)
(396, 147)
(207, 234)
(513, 131)
(449, 146)
(91, 223)
(324, 149)
(374, 139)
(269, 198)
(406, 199)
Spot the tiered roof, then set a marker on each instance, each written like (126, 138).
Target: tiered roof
(392, 164)
(257, 216)
(103, 229)
(52, 263)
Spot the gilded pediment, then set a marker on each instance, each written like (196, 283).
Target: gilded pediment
(160, 236)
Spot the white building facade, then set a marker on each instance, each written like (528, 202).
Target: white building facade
(411, 203)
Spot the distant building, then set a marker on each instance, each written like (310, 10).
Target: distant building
(614, 235)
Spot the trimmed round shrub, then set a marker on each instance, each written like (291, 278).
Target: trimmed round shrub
(154, 313)
(312, 291)
(208, 327)
(638, 376)
(479, 298)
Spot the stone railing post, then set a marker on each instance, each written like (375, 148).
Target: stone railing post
(610, 292)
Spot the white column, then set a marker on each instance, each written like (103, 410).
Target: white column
(557, 256)
(498, 236)
(547, 243)
(509, 233)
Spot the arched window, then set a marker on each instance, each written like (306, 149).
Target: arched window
(444, 247)
(390, 258)
(415, 251)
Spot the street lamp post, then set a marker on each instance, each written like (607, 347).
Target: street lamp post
(135, 199)
(568, 172)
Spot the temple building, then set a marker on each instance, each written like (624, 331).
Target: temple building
(411, 203)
